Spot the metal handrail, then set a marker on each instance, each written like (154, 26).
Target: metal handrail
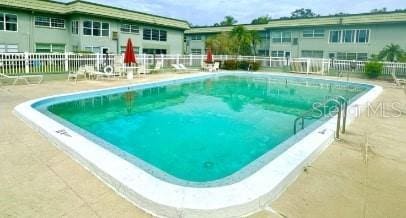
(340, 102)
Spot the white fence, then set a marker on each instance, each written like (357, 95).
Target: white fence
(41, 63)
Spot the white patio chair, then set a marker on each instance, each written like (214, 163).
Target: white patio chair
(207, 67)
(75, 74)
(398, 82)
(216, 66)
(25, 78)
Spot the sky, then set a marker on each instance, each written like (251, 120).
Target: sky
(208, 12)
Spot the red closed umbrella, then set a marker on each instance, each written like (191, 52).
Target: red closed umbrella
(129, 56)
(209, 58)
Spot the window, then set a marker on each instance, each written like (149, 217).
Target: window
(96, 28)
(348, 36)
(162, 35)
(155, 35)
(136, 49)
(286, 37)
(57, 23)
(75, 27)
(49, 48)
(362, 36)
(130, 28)
(263, 52)
(153, 51)
(8, 22)
(281, 37)
(196, 37)
(313, 33)
(4, 48)
(352, 56)
(105, 29)
(335, 36)
(362, 56)
(94, 49)
(196, 51)
(87, 28)
(50, 22)
(312, 54)
(278, 53)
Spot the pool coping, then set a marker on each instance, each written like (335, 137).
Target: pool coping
(162, 198)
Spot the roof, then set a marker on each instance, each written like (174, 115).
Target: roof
(84, 7)
(369, 18)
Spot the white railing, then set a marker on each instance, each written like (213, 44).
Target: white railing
(41, 63)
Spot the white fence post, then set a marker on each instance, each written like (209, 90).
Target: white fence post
(66, 62)
(308, 66)
(26, 63)
(177, 59)
(97, 61)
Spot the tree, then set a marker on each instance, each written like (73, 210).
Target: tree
(228, 21)
(391, 52)
(261, 20)
(222, 43)
(255, 39)
(242, 38)
(303, 13)
(379, 10)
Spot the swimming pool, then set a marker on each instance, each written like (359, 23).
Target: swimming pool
(195, 138)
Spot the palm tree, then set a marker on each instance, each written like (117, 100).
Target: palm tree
(391, 52)
(241, 36)
(255, 39)
(228, 21)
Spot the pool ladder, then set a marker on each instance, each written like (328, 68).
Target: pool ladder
(340, 102)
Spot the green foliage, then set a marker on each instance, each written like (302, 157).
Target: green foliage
(391, 52)
(228, 21)
(303, 13)
(243, 40)
(262, 20)
(239, 41)
(373, 69)
(230, 65)
(222, 43)
(255, 39)
(379, 10)
(241, 65)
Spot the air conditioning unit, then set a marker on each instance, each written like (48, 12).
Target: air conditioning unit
(114, 35)
(295, 41)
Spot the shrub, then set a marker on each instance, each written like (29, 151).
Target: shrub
(242, 65)
(255, 65)
(230, 65)
(373, 69)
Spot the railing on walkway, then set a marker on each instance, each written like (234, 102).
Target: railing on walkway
(41, 63)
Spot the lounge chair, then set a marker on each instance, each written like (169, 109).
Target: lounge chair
(25, 78)
(158, 66)
(398, 82)
(178, 68)
(92, 72)
(75, 74)
(183, 67)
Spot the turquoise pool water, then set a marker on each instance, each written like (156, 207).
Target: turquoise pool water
(199, 131)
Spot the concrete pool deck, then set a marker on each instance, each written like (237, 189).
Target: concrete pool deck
(345, 181)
